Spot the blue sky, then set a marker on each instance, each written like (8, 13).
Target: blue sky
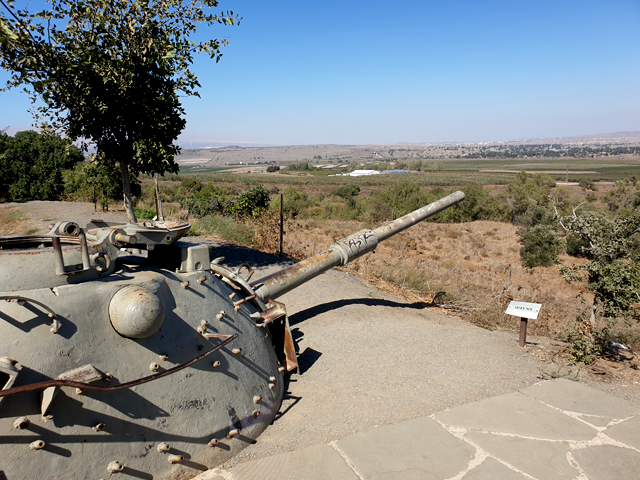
(354, 72)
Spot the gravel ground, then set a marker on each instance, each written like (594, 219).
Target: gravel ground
(368, 358)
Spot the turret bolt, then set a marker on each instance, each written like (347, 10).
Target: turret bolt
(37, 445)
(281, 369)
(256, 413)
(257, 398)
(107, 377)
(164, 357)
(163, 447)
(202, 279)
(115, 467)
(99, 427)
(233, 433)
(213, 443)
(272, 386)
(21, 423)
(221, 315)
(185, 284)
(154, 366)
(236, 351)
(202, 329)
(272, 379)
(176, 458)
(215, 364)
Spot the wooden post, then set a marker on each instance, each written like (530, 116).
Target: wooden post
(523, 332)
(281, 221)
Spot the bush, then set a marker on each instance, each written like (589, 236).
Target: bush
(537, 215)
(541, 246)
(404, 197)
(477, 205)
(577, 246)
(253, 202)
(273, 168)
(347, 191)
(587, 184)
(145, 213)
(212, 200)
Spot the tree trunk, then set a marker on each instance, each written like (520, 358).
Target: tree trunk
(126, 188)
(592, 318)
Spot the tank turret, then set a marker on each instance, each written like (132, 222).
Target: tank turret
(126, 351)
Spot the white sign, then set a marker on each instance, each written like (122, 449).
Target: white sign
(524, 309)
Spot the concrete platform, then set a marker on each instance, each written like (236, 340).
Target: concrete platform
(558, 429)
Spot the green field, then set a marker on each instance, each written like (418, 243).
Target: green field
(452, 172)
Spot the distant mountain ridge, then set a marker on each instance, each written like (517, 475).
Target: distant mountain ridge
(631, 137)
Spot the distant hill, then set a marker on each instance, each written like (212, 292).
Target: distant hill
(616, 138)
(588, 145)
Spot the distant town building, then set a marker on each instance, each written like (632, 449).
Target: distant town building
(357, 173)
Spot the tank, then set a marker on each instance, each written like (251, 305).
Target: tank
(127, 352)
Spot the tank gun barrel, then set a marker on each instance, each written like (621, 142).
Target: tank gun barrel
(345, 250)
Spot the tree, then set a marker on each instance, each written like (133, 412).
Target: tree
(613, 246)
(96, 182)
(110, 73)
(31, 165)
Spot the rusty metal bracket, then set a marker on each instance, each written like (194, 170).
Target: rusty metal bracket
(52, 315)
(249, 270)
(275, 319)
(236, 279)
(111, 388)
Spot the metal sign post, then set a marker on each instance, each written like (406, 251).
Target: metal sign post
(525, 311)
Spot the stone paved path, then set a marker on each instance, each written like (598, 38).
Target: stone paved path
(558, 429)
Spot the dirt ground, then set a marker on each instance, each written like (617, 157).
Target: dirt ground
(369, 357)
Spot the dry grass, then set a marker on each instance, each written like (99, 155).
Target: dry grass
(473, 269)
(14, 222)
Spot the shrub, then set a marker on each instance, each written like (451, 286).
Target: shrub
(577, 246)
(587, 184)
(253, 202)
(347, 191)
(541, 246)
(144, 212)
(404, 197)
(212, 200)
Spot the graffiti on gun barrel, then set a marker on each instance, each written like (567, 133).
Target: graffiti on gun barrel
(355, 244)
